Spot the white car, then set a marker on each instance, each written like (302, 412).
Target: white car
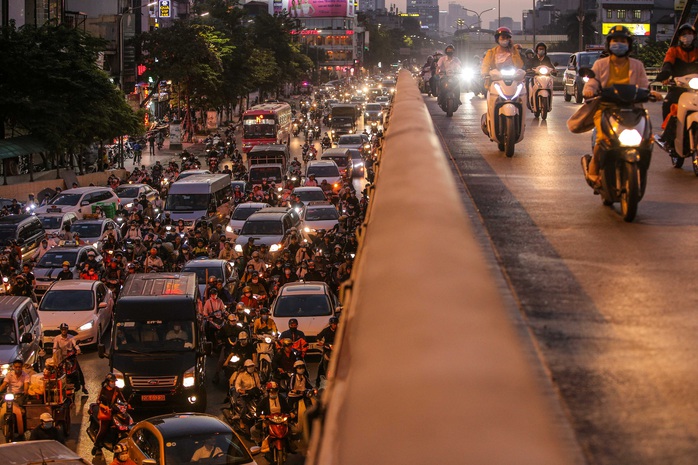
(80, 201)
(310, 194)
(128, 192)
(55, 223)
(240, 215)
(318, 215)
(85, 305)
(325, 170)
(92, 231)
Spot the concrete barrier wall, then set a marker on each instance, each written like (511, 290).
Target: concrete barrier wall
(20, 191)
(428, 368)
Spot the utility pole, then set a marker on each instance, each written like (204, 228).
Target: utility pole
(534, 23)
(580, 17)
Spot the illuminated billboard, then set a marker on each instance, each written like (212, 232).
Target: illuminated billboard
(637, 29)
(312, 8)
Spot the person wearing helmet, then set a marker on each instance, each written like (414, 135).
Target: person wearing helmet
(46, 430)
(64, 346)
(680, 60)
(298, 383)
(617, 68)
(448, 66)
(528, 57)
(271, 404)
(292, 333)
(256, 262)
(325, 339)
(264, 324)
(542, 58)
(426, 74)
(16, 382)
(503, 55)
(121, 455)
(247, 297)
(247, 383)
(282, 364)
(228, 335)
(109, 394)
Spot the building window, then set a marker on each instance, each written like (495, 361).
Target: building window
(637, 14)
(621, 14)
(609, 14)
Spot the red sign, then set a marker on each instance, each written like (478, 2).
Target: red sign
(141, 69)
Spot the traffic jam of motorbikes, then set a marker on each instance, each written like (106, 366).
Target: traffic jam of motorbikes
(216, 271)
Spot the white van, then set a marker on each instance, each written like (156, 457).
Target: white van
(204, 196)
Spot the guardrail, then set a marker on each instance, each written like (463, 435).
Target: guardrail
(427, 367)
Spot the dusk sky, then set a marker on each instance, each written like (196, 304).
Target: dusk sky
(512, 8)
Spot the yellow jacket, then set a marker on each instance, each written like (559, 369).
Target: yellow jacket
(490, 61)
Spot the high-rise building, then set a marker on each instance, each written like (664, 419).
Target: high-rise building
(428, 11)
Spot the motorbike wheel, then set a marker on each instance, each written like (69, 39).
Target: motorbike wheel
(676, 160)
(543, 109)
(264, 370)
(536, 114)
(630, 191)
(509, 136)
(449, 108)
(279, 456)
(568, 97)
(500, 146)
(578, 96)
(8, 429)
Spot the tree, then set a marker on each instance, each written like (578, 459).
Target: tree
(652, 53)
(570, 25)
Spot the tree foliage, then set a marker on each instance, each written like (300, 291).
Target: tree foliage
(652, 53)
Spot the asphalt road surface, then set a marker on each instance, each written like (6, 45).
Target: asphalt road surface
(609, 304)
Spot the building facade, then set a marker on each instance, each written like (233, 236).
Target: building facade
(428, 11)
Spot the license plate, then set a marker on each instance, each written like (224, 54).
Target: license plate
(153, 397)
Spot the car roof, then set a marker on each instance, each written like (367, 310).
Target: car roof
(183, 424)
(320, 204)
(263, 215)
(70, 248)
(93, 221)
(321, 163)
(297, 288)
(131, 185)
(73, 284)
(307, 189)
(84, 190)
(14, 219)
(257, 205)
(8, 304)
(205, 263)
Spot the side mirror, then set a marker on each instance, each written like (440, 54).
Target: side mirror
(149, 462)
(101, 350)
(102, 305)
(254, 450)
(26, 338)
(236, 231)
(84, 203)
(208, 347)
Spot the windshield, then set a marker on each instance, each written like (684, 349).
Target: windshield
(309, 196)
(316, 214)
(262, 228)
(588, 59)
(242, 212)
(351, 140)
(51, 222)
(302, 305)
(203, 274)
(127, 192)
(374, 107)
(155, 336)
(87, 229)
(222, 449)
(7, 233)
(323, 171)
(7, 332)
(341, 160)
(187, 202)
(256, 127)
(67, 301)
(55, 259)
(66, 199)
(257, 174)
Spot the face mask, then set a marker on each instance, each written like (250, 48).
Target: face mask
(687, 39)
(265, 317)
(541, 53)
(504, 43)
(48, 425)
(449, 54)
(250, 369)
(300, 371)
(618, 48)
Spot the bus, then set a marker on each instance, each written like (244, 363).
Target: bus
(268, 123)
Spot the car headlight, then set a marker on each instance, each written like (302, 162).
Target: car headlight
(129, 205)
(630, 138)
(86, 326)
(238, 248)
(120, 382)
(274, 247)
(693, 83)
(189, 378)
(229, 229)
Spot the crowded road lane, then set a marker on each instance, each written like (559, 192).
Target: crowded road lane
(604, 300)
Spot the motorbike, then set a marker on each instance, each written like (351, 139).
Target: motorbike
(540, 92)
(121, 424)
(448, 86)
(686, 139)
(265, 355)
(11, 429)
(303, 401)
(325, 361)
(213, 163)
(326, 144)
(627, 154)
(242, 413)
(278, 437)
(504, 121)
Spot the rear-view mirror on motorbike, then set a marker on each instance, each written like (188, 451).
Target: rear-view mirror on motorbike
(26, 338)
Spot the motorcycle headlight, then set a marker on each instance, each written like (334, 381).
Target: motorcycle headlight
(274, 247)
(4, 369)
(234, 359)
(9, 397)
(229, 229)
(693, 83)
(509, 72)
(86, 326)
(543, 71)
(519, 88)
(585, 79)
(630, 138)
(129, 205)
(189, 378)
(238, 248)
(120, 382)
(267, 340)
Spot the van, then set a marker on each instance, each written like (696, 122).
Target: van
(26, 230)
(81, 201)
(201, 197)
(572, 81)
(158, 348)
(20, 332)
(342, 157)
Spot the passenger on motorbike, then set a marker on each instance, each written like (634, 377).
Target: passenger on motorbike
(272, 404)
(680, 60)
(617, 68)
(448, 66)
(108, 396)
(121, 456)
(16, 382)
(46, 430)
(63, 345)
(284, 360)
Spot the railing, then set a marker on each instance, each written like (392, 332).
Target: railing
(428, 368)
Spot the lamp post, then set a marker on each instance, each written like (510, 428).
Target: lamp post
(128, 11)
(479, 19)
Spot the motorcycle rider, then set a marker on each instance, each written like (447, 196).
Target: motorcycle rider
(426, 73)
(63, 344)
(16, 382)
(617, 68)
(326, 338)
(272, 403)
(228, 335)
(109, 394)
(284, 359)
(292, 333)
(449, 65)
(298, 384)
(264, 324)
(542, 58)
(121, 456)
(680, 60)
(46, 430)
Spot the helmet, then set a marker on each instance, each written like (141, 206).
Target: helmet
(286, 342)
(449, 46)
(64, 326)
(500, 31)
(249, 363)
(529, 51)
(271, 385)
(619, 31)
(246, 289)
(50, 362)
(66, 263)
(242, 335)
(334, 320)
(120, 448)
(299, 363)
(264, 311)
(686, 27)
(110, 377)
(46, 417)
(292, 321)
(541, 44)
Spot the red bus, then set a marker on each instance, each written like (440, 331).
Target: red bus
(268, 123)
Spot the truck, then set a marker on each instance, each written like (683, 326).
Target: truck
(267, 161)
(343, 119)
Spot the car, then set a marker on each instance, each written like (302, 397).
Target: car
(325, 170)
(206, 268)
(91, 232)
(357, 163)
(173, 439)
(39, 452)
(273, 227)
(244, 187)
(311, 303)
(55, 223)
(80, 200)
(318, 215)
(128, 192)
(559, 60)
(52, 262)
(20, 332)
(354, 141)
(240, 214)
(187, 173)
(26, 230)
(373, 112)
(389, 86)
(573, 82)
(310, 194)
(85, 305)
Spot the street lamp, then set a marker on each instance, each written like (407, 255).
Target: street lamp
(479, 19)
(129, 10)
